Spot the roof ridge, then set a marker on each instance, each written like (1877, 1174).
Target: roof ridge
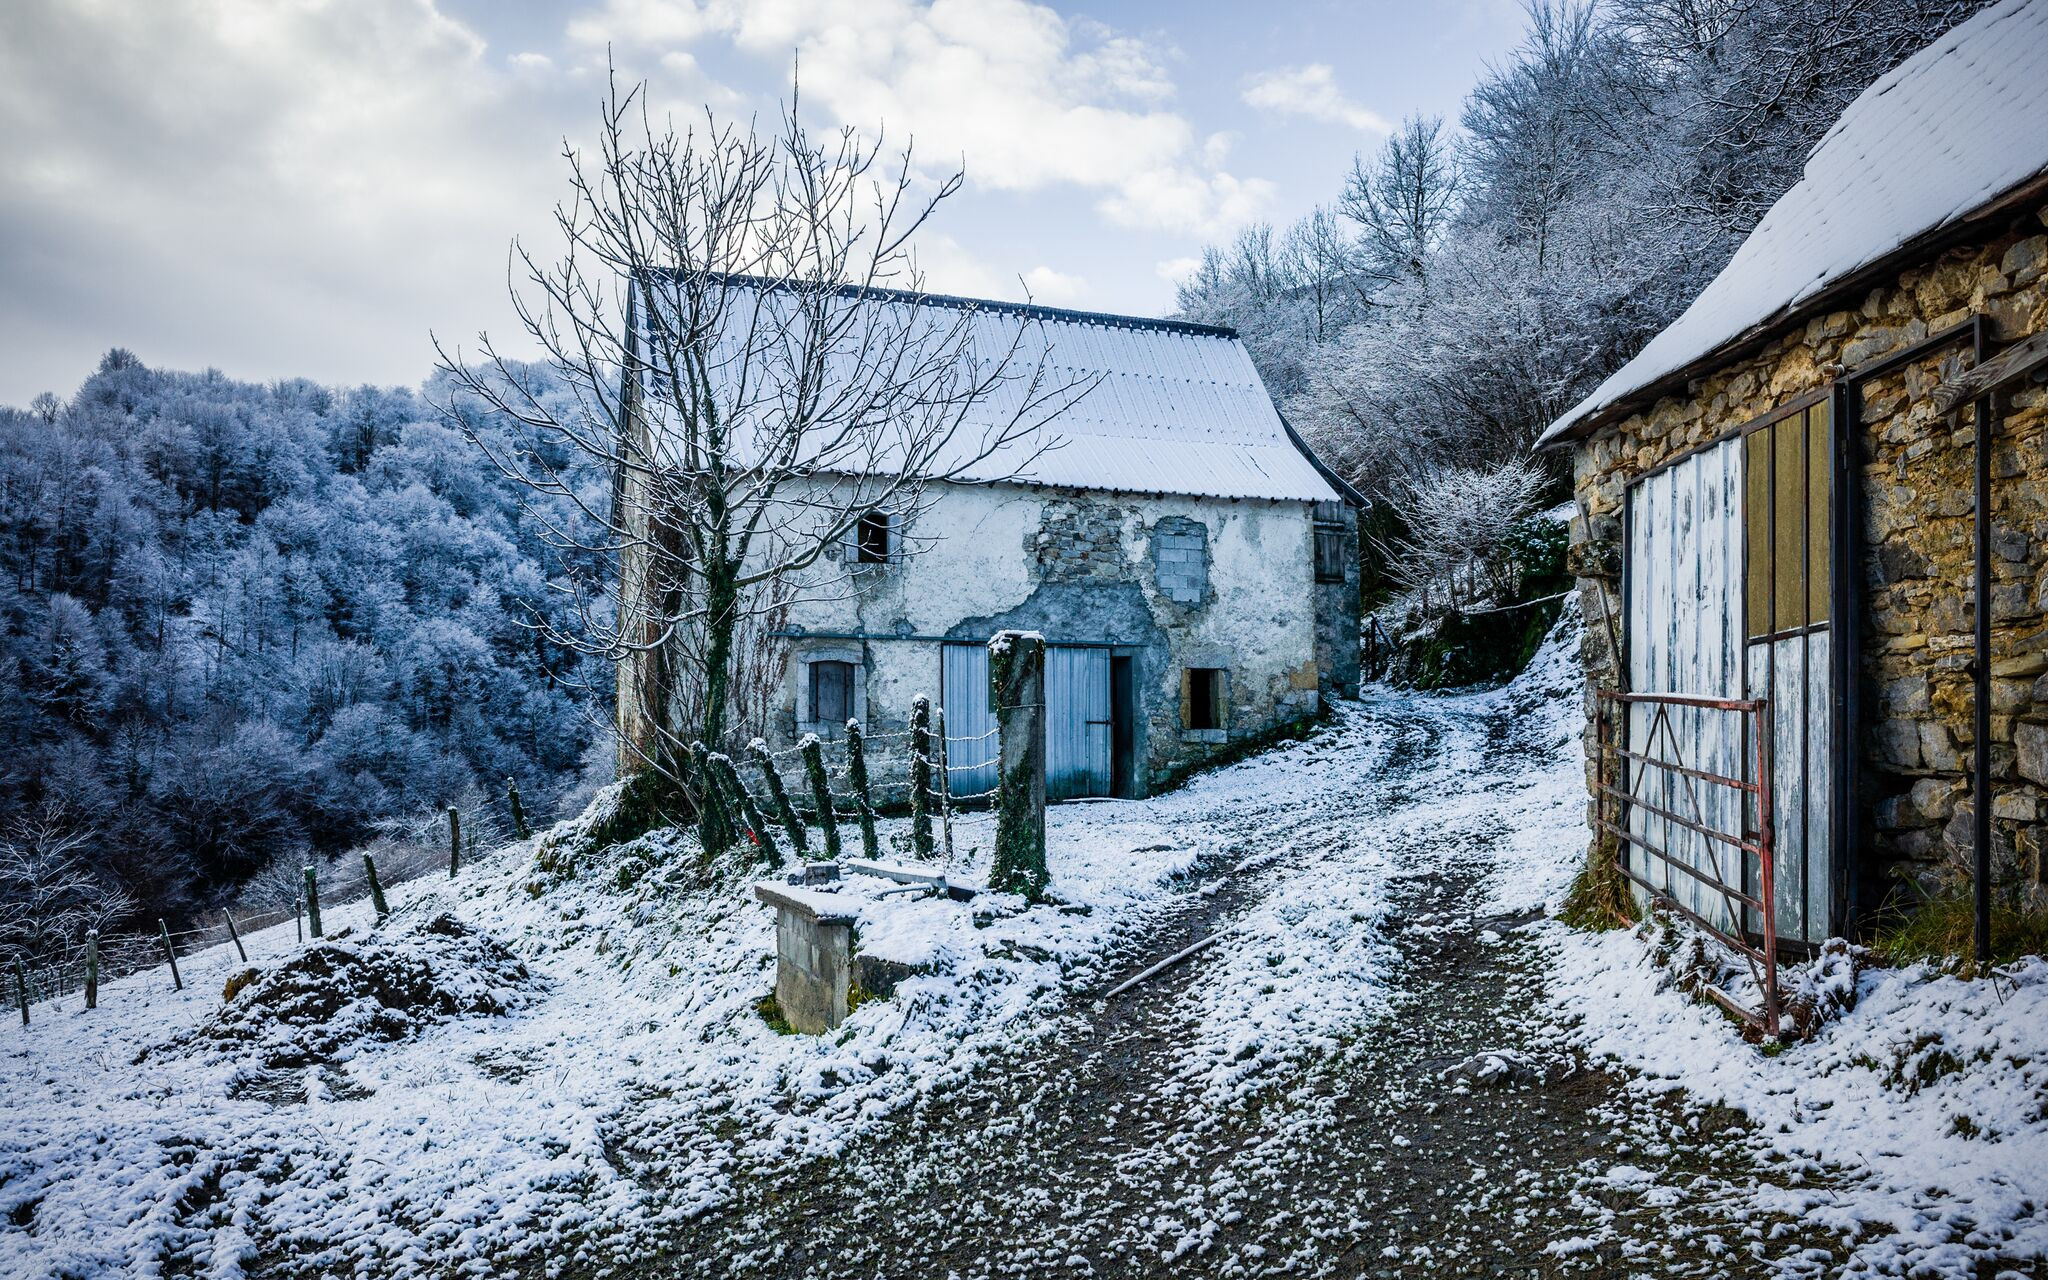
(1028, 310)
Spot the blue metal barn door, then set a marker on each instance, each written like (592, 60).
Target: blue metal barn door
(1077, 722)
(970, 721)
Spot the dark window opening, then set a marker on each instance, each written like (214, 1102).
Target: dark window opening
(831, 692)
(1329, 554)
(872, 538)
(1205, 698)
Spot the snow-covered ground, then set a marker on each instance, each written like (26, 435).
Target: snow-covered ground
(626, 1078)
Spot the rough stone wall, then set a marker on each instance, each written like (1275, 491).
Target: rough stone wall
(1338, 617)
(1917, 613)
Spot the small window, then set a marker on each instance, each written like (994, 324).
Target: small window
(1329, 553)
(831, 692)
(1205, 697)
(874, 539)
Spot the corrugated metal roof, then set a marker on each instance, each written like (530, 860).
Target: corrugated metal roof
(1941, 136)
(1168, 407)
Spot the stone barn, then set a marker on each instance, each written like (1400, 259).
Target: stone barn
(1191, 564)
(1812, 532)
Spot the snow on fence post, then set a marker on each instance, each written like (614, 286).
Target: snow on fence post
(313, 900)
(21, 988)
(821, 794)
(235, 934)
(454, 848)
(863, 804)
(163, 934)
(1016, 673)
(519, 829)
(921, 776)
(377, 902)
(743, 800)
(779, 796)
(92, 968)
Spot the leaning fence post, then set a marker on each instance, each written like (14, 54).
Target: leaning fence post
(163, 934)
(1016, 669)
(377, 902)
(313, 901)
(736, 791)
(921, 776)
(235, 934)
(821, 793)
(713, 829)
(519, 830)
(454, 842)
(778, 796)
(21, 988)
(92, 968)
(863, 804)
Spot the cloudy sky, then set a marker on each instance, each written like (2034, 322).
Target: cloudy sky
(311, 187)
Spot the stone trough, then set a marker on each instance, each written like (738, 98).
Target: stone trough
(815, 964)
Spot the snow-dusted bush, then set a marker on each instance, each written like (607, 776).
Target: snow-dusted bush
(1458, 521)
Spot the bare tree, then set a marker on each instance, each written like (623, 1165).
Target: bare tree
(49, 894)
(1402, 201)
(754, 368)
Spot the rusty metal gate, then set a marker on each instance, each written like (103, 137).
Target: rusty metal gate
(1693, 838)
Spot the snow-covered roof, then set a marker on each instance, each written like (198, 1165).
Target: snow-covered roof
(1943, 135)
(1170, 406)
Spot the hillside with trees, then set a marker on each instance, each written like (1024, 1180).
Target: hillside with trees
(241, 624)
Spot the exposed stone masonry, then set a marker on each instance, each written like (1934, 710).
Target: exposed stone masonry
(1916, 578)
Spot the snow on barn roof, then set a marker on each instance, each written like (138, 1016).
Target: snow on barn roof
(1943, 135)
(1171, 407)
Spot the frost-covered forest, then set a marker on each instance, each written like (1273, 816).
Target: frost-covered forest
(1473, 279)
(240, 623)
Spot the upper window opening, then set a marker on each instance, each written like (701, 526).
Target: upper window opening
(874, 538)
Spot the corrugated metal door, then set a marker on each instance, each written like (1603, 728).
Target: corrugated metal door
(970, 722)
(1077, 722)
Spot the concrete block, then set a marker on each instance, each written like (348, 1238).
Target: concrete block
(813, 955)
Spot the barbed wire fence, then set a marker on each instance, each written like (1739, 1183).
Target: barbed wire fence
(316, 900)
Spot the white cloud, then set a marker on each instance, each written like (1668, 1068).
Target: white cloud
(1175, 271)
(1311, 91)
(1025, 98)
(1054, 288)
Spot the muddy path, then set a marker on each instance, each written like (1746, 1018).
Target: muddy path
(1444, 1134)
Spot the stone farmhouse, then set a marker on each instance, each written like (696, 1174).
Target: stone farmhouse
(1191, 564)
(1812, 531)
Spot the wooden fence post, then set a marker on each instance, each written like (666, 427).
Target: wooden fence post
(863, 804)
(313, 901)
(945, 775)
(377, 902)
(163, 934)
(921, 776)
(1016, 672)
(454, 846)
(519, 828)
(821, 793)
(713, 829)
(21, 988)
(235, 934)
(92, 968)
(778, 796)
(743, 800)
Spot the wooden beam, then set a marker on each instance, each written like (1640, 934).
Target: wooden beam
(2016, 361)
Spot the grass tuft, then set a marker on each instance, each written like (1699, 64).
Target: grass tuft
(1941, 929)
(1598, 898)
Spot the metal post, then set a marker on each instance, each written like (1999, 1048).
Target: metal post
(163, 934)
(1980, 765)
